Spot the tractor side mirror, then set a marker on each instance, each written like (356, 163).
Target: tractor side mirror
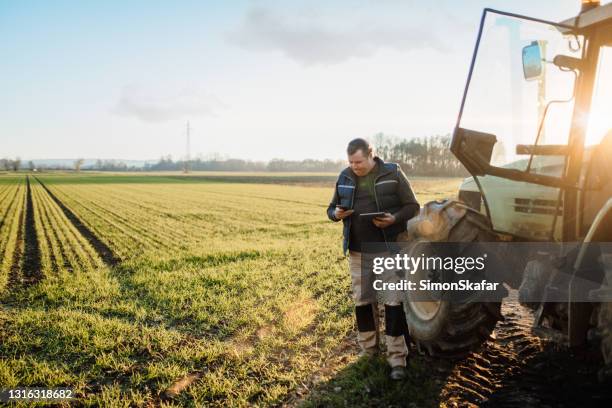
(532, 61)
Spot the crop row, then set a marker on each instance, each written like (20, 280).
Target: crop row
(166, 218)
(62, 247)
(12, 199)
(36, 238)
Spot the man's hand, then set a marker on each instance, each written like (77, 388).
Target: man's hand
(341, 213)
(385, 221)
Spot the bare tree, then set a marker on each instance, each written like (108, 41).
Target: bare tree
(31, 165)
(16, 164)
(78, 164)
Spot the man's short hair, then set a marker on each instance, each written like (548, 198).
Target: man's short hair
(359, 144)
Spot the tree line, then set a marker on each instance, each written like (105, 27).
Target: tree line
(425, 156)
(274, 165)
(10, 164)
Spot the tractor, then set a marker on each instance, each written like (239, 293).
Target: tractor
(534, 132)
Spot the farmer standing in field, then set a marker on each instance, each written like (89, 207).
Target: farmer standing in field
(371, 185)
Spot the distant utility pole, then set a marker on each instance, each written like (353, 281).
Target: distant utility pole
(188, 156)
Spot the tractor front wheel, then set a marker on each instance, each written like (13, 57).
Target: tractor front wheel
(446, 328)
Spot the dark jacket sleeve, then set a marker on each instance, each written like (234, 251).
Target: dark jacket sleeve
(331, 209)
(410, 205)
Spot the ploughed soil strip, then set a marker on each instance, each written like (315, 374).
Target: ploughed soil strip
(517, 368)
(105, 253)
(31, 251)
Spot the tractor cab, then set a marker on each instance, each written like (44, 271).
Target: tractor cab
(535, 121)
(534, 131)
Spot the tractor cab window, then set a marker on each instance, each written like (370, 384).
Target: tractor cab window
(517, 94)
(517, 110)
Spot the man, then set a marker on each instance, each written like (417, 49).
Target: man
(371, 185)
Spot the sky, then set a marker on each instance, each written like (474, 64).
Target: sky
(256, 79)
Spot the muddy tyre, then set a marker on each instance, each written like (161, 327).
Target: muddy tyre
(452, 329)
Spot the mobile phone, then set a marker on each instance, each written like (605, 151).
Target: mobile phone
(342, 207)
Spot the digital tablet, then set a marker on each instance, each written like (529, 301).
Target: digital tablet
(370, 216)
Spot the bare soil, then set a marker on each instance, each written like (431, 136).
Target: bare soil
(31, 254)
(517, 368)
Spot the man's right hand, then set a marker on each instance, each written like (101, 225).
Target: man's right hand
(342, 213)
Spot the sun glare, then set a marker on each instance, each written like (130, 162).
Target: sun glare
(600, 119)
(598, 126)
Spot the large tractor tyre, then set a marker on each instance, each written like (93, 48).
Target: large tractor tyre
(452, 329)
(448, 329)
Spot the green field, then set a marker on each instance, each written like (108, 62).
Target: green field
(172, 290)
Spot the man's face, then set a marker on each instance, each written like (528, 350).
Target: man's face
(361, 163)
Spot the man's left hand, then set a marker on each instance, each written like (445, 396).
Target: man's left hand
(385, 221)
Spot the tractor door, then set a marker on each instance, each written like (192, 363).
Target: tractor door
(513, 129)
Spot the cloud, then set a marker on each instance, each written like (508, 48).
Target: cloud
(310, 42)
(162, 106)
